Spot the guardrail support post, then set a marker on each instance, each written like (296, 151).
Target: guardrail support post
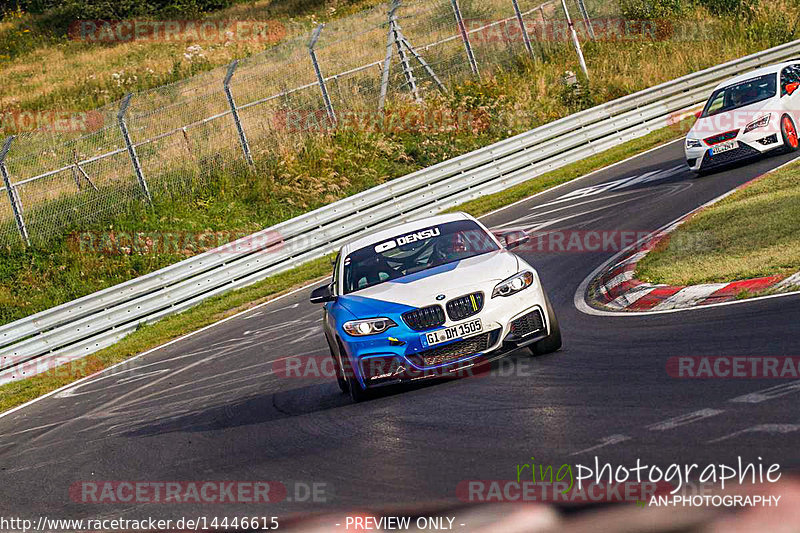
(320, 78)
(586, 19)
(525, 37)
(575, 40)
(226, 84)
(123, 127)
(13, 197)
(465, 37)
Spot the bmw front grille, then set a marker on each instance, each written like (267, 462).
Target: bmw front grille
(465, 306)
(425, 318)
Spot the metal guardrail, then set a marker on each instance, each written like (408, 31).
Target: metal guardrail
(81, 327)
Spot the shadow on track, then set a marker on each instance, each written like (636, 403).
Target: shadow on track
(305, 400)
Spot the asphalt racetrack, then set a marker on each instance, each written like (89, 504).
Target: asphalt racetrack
(215, 406)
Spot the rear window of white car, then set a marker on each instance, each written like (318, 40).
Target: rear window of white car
(741, 94)
(412, 252)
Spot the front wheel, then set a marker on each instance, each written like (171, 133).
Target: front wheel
(340, 380)
(357, 392)
(551, 343)
(789, 133)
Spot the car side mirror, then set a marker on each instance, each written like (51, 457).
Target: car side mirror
(515, 239)
(791, 87)
(322, 295)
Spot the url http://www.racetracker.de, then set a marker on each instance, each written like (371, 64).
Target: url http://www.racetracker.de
(200, 523)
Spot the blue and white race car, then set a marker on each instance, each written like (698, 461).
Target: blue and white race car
(431, 298)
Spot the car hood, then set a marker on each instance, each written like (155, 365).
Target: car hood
(454, 279)
(735, 119)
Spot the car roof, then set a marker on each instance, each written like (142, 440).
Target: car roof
(771, 69)
(401, 229)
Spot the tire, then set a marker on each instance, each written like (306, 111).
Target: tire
(357, 393)
(339, 373)
(551, 343)
(789, 134)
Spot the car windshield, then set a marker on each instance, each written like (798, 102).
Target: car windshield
(409, 253)
(741, 94)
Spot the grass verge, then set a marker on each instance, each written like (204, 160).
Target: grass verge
(218, 308)
(753, 233)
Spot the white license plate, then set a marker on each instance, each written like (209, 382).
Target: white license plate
(460, 331)
(723, 147)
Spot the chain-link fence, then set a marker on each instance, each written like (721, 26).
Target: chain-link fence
(162, 142)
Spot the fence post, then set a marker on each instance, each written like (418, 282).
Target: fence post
(465, 37)
(123, 127)
(320, 78)
(525, 37)
(394, 27)
(387, 63)
(575, 41)
(75, 168)
(403, 41)
(188, 143)
(586, 20)
(13, 197)
(226, 84)
(78, 172)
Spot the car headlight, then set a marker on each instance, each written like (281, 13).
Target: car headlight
(760, 123)
(514, 284)
(693, 143)
(370, 326)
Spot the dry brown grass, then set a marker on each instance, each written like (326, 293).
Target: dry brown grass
(616, 69)
(76, 75)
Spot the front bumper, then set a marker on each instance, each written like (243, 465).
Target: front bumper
(398, 356)
(751, 145)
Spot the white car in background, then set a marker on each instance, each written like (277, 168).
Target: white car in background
(746, 116)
